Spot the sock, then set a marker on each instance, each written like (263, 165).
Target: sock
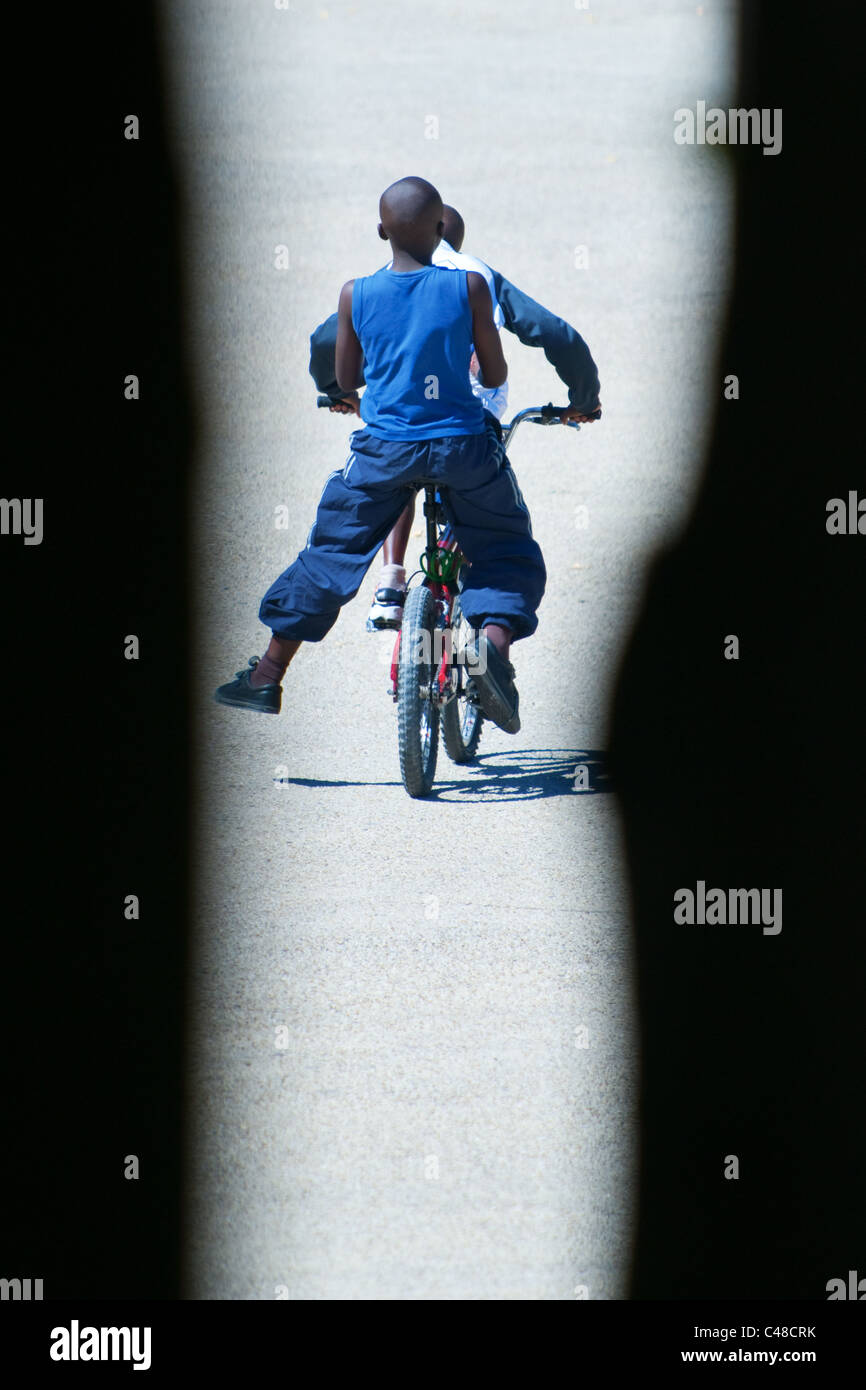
(392, 577)
(272, 666)
(499, 637)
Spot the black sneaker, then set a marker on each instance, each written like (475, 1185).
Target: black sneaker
(493, 678)
(264, 699)
(387, 610)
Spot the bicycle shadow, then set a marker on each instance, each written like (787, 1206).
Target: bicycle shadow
(528, 775)
(510, 775)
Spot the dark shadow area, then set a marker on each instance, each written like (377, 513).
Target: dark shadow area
(524, 775)
(95, 780)
(752, 1045)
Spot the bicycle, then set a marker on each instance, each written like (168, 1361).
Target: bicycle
(431, 678)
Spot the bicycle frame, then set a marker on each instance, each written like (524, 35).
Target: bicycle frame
(441, 560)
(426, 702)
(440, 563)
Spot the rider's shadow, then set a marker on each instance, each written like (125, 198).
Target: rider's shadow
(528, 775)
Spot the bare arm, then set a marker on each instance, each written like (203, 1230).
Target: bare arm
(348, 355)
(485, 335)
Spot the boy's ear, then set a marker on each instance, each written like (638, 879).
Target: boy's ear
(383, 235)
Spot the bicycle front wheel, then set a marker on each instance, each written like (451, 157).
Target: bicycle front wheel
(461, 729)
(417, 715)
(462, 717)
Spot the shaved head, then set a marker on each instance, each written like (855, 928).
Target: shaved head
(411, 216)
(455, 229)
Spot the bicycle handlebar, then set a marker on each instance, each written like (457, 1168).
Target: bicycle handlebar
(535, 414)
(539, 415)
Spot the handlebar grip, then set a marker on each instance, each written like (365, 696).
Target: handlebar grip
(549, 410)
(325, 401)
(550, 413)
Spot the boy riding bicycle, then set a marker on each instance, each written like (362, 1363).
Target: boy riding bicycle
(413, 326)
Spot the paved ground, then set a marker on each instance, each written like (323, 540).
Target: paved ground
(431, 1126)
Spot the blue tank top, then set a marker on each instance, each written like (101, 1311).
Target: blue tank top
(415, 329)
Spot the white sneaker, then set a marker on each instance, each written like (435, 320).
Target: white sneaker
(386, 610)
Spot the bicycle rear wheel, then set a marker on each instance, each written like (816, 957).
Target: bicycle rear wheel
(417, 715)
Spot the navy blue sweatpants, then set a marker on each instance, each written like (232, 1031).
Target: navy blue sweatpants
(360, 505)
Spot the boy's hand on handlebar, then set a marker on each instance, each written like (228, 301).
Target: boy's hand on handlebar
(570, 412)
(348, 405)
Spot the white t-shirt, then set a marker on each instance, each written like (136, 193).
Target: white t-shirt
(458, 260)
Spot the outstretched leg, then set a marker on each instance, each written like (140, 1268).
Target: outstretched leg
(358, 508)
